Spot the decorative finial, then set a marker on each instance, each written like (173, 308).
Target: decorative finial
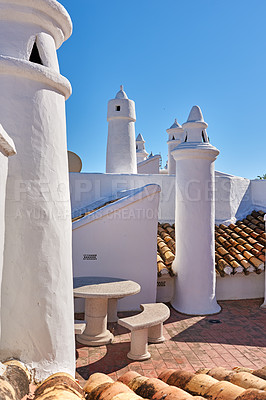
(195, 115)
(121, 87)
(175, 120)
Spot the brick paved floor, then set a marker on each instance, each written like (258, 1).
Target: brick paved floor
(191, 343)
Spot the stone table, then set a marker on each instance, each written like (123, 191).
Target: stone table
(98, 292)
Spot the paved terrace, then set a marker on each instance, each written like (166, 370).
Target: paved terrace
(191, 343)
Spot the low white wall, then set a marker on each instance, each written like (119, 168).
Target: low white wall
(235, 197)
(258, 189)
(233, 287)
(87, 188)
(149, 166)
(165, 288)
(239, 287)
(122, 236)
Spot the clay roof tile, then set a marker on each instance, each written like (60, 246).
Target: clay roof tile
(239, 247)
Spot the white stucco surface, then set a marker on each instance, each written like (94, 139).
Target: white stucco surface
(172, 144)
(122, 237)
(31, 17)
(175, 137)
(87, 188)
(141, 153)
(235, 197)
(3, 176)
(194, 263)
(37, 278)
(233, 287)
(237, 287)
(258, 191)
(121, 143)
(149, 166)
(165, 288)
(6, 149)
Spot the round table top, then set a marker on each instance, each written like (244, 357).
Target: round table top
(94, 286)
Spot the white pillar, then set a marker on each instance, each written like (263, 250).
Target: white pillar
(37, 289)
(195, 220)
(121, 143)
(264, 304)
(140, 149)
(7, 149)
(175, 137)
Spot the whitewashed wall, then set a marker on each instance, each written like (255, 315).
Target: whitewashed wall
(235, 196)
(237, 287)
(258, 189)
(123, 237)
(234, 287)
(149, 166)
(88, 188)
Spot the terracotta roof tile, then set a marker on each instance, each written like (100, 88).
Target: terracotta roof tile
(207, 383)
(239, 247)
(180, 384)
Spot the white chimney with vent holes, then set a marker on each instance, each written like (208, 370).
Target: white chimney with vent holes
(194, 263)
(37, 287)
(121, 144)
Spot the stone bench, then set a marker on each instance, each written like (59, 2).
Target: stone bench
(145, 327)
(79, 327)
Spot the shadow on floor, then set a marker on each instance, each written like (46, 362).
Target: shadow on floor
(239, 323)
(114, 359)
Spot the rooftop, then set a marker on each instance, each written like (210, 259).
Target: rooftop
(239, 247)
(191, 343)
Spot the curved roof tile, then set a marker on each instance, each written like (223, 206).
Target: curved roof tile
(239, 247)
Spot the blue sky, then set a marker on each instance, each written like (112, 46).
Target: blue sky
(169, 55)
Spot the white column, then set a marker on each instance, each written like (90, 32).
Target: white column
(172, 144)
(37, 286)
(140, 149)
(194, 221)
(7, 149)
(264, 304)
(121, 144)
(175, 137)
